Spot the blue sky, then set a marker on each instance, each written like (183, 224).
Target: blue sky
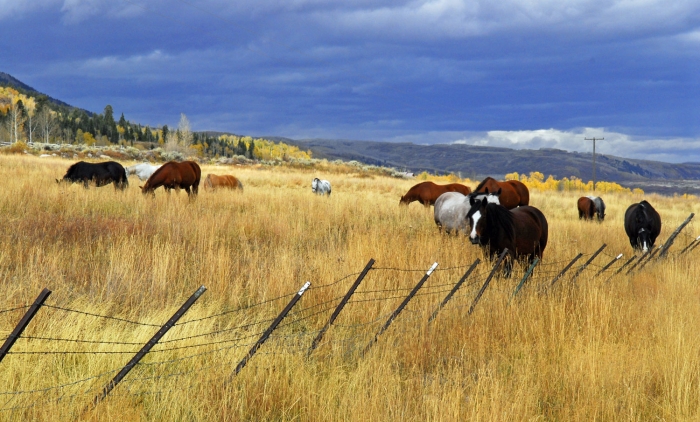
(514, 73)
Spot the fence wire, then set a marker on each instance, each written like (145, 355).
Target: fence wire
(291, 337)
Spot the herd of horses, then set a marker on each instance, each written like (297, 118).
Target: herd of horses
(498, 216)
(171, 175)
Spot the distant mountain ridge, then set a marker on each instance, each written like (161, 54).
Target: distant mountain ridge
(481, 160)
(478, 161)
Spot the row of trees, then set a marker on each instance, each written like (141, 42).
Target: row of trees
(24, 117)
(536, 180)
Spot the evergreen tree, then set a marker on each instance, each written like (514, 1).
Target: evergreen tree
(251, 149)
(110, 125)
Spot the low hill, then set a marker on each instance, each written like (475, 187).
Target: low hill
(477, 161)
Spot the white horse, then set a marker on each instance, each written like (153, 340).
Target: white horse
(321, 187)
(451, 210)
(143, 170)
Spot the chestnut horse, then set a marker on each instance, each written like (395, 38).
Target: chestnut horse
(513, 192)
(428, 192)
(214, 182)
(523, 230)
(174, 175)
(586, 208)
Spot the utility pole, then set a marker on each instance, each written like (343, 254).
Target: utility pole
(594, 139)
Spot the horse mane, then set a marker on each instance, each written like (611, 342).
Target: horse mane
(161, 168)
(483, 182)
(72, 166)
(499, 216)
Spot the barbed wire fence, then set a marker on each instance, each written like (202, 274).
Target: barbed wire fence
(163, 366)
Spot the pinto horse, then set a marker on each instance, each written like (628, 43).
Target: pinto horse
(174, 175)
(428, 192)
(213, 182)
(523, 230)
(513, 193)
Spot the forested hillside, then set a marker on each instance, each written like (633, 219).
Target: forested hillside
(29, 116)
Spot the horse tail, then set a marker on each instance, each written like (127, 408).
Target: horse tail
(591, 209)
(207, 182)
(240, 184)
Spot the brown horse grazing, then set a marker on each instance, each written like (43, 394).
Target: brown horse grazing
(428, 192)
(174, 175)
(523, 230)
(513, 192)
(214, 182)
(586, 208)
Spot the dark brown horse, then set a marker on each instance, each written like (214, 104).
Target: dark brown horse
(427, 192)
(586, 208)
(523, 230)
(174, 175)
(513, 192)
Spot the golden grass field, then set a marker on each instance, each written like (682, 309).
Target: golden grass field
(623, 349)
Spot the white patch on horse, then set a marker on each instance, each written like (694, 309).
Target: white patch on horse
(143, 170)
(475, 217)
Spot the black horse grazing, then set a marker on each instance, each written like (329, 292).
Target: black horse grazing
(523, 230)
(101, 173)
(643, 225)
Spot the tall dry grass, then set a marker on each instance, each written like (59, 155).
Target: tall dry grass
(623, 349)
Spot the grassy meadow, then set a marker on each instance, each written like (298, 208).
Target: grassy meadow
(626, 348)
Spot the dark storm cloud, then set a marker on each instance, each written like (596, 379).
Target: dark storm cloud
(512, 73)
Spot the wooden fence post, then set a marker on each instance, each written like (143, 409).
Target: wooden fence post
(651, 255)
(669, 242)
(583, 267)
(690, 246)
(269, 330)
(401, 307)
(148, 346)
(619, 270)
(340, 306)
(454, 290)
(609, 264)
(641, 258)
(561, 274)
(488, 280)
(526, 276)
(26, 319)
